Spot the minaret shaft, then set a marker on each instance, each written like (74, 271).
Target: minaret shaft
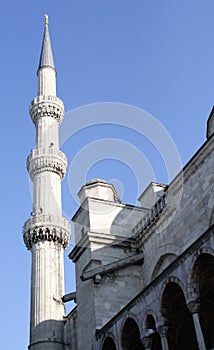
(47, 288)
(47, 81)
(47, 134)
(47, 194)
(47, 232)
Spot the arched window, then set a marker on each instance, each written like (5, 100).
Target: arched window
(109, 344)
(131, 336)
(181, 333)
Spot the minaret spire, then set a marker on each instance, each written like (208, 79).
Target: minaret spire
(46, 58)
(47, 232)
(46, 71)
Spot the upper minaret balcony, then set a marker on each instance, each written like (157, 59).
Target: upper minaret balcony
(46, 104)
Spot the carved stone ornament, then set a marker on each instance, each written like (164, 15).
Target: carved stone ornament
(147, 342)
(46, 106)
(163, 330)
(46, 228)
(193, 307)
(50, 160)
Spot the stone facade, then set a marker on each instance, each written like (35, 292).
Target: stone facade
(144, 274)
(144, 277)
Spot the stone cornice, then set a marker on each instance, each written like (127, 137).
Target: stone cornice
(192, 165)
(72, 314)
(46, 228)
(46, 160)
(100, 238)
(115, 265)
(46, 106)
(103, 201)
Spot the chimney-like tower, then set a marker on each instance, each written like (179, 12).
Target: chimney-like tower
(47, 232)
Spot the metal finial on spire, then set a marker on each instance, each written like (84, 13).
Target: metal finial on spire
(46, 19)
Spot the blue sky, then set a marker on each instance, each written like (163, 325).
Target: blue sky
(155, 55)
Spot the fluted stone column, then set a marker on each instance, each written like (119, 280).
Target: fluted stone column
(194, 309)
(47, 232)
(162, 330)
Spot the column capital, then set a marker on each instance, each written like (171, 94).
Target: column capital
(147, 343)
(162, 330)
(193, 307)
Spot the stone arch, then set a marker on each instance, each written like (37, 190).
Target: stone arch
(161, 252)
(163, 261)
(147, 313)
(108, 343)
(173, 279)
(134, 316)
(192, 291)
(130, 335)
(151, 332)
(181, 332)
(203, 278)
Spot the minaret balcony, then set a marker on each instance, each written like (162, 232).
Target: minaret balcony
(51, 160)
(46, 106)
(40, 228)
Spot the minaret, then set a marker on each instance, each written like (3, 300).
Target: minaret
(47, 232)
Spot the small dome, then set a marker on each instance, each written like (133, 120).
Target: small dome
(95, 180)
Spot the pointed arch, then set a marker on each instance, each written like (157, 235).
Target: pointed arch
(151, 332)
(172, 279)
(164, 261)
(109, 344)
(181, 334)
(193, 292)
(203, 282)
(130, 335)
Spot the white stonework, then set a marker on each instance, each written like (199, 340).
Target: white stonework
(114, 284)
(47, 232)
(144, 275)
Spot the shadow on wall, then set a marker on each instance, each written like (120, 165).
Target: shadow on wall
(49, 333)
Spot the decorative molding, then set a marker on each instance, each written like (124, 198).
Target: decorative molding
(46, 228)
(147, 343)
(163, 330)
(153, 216)
(46, 160)
(101, 238)
(193, 307)
(46, 106)
(116, 265)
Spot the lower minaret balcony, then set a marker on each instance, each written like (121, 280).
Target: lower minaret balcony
(46, 160)
(47, 228)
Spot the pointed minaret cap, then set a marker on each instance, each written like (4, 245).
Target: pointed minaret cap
(46, 58)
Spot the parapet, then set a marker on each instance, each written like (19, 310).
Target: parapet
(151, 194)
(210, 124)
